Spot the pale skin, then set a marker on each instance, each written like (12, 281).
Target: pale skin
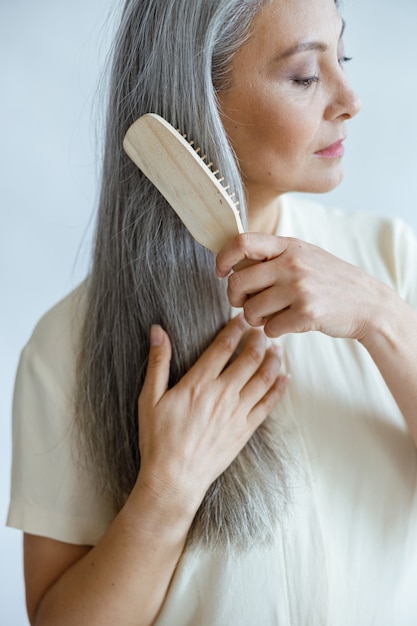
(278, 129)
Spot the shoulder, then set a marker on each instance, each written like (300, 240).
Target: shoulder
(60, 326)
(55, 338)
(47, 365)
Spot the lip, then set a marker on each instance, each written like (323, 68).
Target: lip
(334, 151)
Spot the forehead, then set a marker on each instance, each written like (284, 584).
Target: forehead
(283, 23)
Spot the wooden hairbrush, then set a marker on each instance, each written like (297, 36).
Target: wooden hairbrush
(184, 179)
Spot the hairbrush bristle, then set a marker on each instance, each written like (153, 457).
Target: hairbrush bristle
(174, 165)
(204, 157)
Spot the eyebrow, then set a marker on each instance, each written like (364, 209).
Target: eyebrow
(305, 46)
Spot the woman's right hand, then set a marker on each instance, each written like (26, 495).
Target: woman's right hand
(189, 434)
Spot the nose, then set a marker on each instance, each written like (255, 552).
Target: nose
(345, 102)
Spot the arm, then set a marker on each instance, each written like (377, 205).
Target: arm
(298, 287)
(390, 336)
(124, 579)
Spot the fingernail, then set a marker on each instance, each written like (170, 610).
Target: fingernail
(284, 380)
(156, 335)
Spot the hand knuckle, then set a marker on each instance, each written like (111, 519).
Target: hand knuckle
(226, 343)
(244, 241)
(234, 282)
(309, 315)
(155, 360)
(267, 376)
(271, 402)
(256, 354)
(296, 266)
(250, 312)
(304, 297)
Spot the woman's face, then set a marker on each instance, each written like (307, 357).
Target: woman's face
(286, 109)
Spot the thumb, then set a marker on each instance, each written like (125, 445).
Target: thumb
(248, 249)
(159, 360)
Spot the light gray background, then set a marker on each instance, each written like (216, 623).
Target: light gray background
(51, 55)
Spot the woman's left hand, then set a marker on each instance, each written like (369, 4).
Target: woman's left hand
(298, 287)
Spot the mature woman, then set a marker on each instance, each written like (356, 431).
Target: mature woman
(164, 470)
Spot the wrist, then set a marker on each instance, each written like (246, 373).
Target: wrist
(382, 327)
(160, 507)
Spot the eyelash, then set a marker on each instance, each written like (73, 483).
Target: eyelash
(307, 82)
(344, 60)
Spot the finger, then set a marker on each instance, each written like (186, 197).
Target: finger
(268, 402)
(157, 372)
(263, 379)
(249, 359)
(259, 308)
(290, 321)
(255, 246)
(213, 360)
(255, 279)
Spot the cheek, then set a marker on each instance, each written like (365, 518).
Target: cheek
(257, 133)
(296, 131)
(284, 124)
(267, 128)
(276, 141)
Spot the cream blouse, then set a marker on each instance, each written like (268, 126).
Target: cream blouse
(345, 552)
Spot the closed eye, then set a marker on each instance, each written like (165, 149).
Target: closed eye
(306, 82)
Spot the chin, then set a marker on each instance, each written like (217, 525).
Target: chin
(325, 184)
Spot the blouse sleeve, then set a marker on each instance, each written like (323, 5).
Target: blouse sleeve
(51, 493)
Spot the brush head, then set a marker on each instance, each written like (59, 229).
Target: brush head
(182, 177)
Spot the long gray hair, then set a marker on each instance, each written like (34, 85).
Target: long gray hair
(170, 57)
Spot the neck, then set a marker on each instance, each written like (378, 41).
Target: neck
(263, 211)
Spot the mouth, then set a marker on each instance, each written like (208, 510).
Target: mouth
(334, 151)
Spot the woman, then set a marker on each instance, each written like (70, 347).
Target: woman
(221, 515)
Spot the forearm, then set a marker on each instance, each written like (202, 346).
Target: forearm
(391, 340)
(124, 579)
